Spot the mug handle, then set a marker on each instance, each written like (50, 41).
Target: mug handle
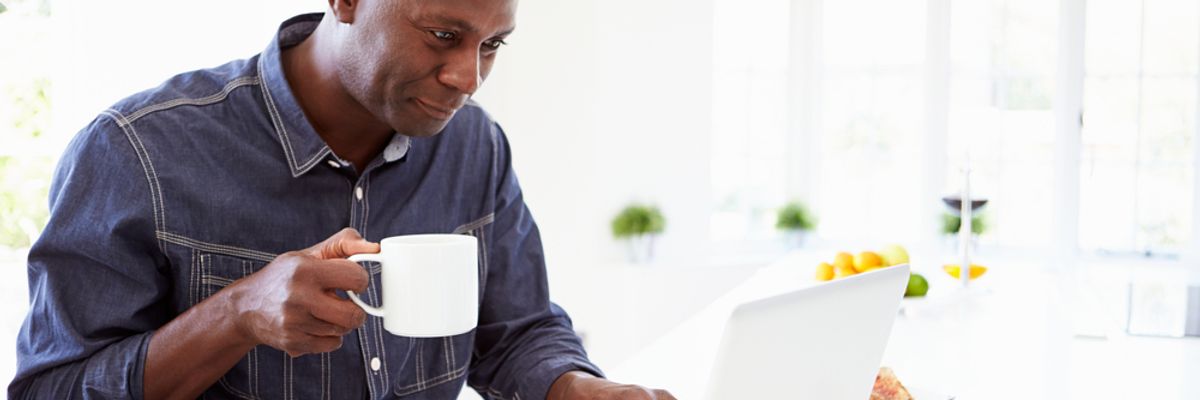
(376, 311)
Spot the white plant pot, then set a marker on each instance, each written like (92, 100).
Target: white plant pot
(794, 239)
(640, 248)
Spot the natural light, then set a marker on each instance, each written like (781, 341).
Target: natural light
(1077, 120)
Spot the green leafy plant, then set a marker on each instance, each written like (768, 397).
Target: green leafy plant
(638, 219)
(951, 223)
(795, 217)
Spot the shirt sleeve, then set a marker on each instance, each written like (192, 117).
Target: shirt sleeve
(523, 341)
(96, 282)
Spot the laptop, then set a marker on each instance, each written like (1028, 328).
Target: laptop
(820, 342)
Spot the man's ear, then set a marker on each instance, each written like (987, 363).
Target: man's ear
(344, 10)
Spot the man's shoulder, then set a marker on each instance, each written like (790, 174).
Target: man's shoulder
(196, 88)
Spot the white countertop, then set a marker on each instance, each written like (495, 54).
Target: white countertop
(1011, 335)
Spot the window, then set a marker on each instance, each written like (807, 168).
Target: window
(1003, 60)
(871, 118)
(871, 127)
(750, 68)
(1139, 122)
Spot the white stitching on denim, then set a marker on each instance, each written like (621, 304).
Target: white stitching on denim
(446, 346)
(476, 224)
(483, 279)
(291, 375)
(192, 280)
(229, 388)
(378, 299)
(160, 218)
(214, 280)
(252, 356)
(362, 345)
(451, 358)
(366, 188)
(202, 101)
(376, 268)
(205, 264)
(281, 131)
(324, 376)
(254, 380)
(431, 382)
(214, 248)
(420, 368)
(325, 150)
(277, 121)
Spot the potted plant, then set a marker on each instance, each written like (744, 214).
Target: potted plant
(638, 225)
(795, 220)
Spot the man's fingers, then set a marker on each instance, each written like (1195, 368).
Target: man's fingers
(320, 328)
(345, 243)
(313, 344)
(339, 274)
(338, 312)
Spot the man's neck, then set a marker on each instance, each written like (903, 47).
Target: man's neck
(352, 132)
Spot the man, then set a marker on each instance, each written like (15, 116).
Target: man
(170, 267)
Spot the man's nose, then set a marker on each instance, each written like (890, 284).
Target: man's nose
(461, 72)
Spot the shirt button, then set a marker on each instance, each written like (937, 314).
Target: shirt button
(358, 192)
(374, 363)
(333, 164)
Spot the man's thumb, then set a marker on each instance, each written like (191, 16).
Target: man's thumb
(345, 243)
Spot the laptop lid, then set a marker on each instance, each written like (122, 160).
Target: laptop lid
(820, 342)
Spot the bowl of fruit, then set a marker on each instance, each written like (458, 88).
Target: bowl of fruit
(847, 264)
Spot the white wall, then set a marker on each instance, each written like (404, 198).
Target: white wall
(608, 102)
(605, 102)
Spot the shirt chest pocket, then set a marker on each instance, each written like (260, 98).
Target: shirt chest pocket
(209, 274)
(432, 365)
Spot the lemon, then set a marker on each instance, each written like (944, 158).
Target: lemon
(954, 270)
(824, 272)
(867, 260)
(917, 286)
(844, 260)
(841, 271)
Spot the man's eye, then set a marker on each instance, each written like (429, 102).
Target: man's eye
(443, 35)
(494, 44)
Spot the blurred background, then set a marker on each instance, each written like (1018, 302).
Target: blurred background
(1077, 119)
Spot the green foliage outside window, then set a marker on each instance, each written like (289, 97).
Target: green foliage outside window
(24, 178)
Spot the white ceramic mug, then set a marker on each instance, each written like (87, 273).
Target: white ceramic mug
(430, 284)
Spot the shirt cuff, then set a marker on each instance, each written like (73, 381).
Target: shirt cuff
(549, 371)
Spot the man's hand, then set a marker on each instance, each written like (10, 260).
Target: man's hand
(291, 304)
(577, 385)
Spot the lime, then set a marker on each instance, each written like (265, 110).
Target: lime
(917, 286)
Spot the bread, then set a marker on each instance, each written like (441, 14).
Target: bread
(888, 387)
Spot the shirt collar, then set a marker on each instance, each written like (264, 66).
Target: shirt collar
(302, 146)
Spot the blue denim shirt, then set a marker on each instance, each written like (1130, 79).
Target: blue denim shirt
(176, 192)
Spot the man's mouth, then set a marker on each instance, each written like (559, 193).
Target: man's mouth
(437, 111)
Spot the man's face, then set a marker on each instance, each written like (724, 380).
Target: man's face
(413, 63)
